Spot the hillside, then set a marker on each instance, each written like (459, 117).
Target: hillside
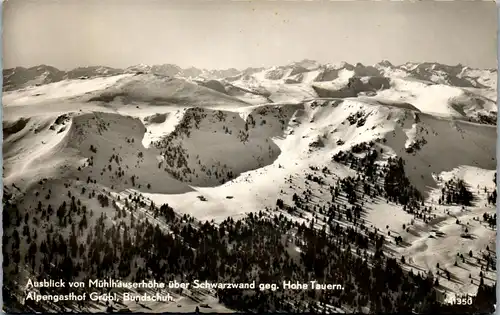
(376, 179)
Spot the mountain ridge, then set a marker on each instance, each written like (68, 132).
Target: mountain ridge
(20, 77)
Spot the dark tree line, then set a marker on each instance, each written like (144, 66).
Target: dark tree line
(456, 192)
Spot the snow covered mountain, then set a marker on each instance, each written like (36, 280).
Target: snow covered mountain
(376, 178)
(19, 77)
(302, 71)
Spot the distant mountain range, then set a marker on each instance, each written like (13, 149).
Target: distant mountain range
(296, 72)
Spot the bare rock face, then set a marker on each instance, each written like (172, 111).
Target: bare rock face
(156, 118)
(355, 86)
(10, 128)
(214, 85)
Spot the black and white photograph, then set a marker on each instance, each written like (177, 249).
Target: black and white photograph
(249, 156)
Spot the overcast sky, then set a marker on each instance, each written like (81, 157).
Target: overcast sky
(224, 34)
